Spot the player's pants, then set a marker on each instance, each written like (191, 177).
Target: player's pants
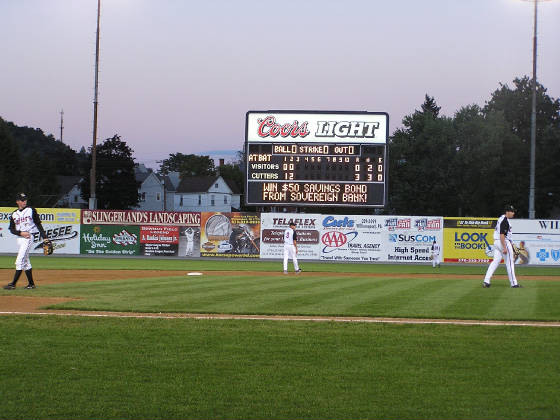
(435, 260)
(189, 249)
(290, 252)
(24, 248)
(498, 255)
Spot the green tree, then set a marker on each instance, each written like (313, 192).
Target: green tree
(10, 165)
(482, 185)
(188, 165)
(421, 164)
(116, 187)
(516, 103)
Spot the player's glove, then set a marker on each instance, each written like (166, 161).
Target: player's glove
(47, 247)
(516, 251)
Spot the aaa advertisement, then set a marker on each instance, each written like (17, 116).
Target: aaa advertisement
(403, 239)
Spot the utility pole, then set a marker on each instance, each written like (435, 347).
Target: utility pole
(92, 198)
(61, 123)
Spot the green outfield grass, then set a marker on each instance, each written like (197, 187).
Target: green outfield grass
(105, 368)
(328, 294)
(75, 368)
(323, 290)
(92, 263)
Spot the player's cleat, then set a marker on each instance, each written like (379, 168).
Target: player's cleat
(485, 285)
(9, 286)
(516, 286)
(30, 286)
(285, 272)
(298, 271)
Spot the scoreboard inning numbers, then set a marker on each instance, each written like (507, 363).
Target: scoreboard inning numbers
(299, 158)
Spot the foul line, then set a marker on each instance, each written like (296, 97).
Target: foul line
(295, 318)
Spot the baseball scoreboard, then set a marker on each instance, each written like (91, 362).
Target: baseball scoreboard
(305, 158)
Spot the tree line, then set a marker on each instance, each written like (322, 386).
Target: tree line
(471, 164)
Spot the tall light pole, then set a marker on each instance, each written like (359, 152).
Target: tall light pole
(92, 198)
(533, 118)
(533, 114)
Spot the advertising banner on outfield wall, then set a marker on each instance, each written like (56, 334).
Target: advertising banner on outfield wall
(140, 217)
(231, 235)
(539, 241)
(273, 226)
(379, 238)
(62, 226)
(110, 240)
(161, 233)
(468, 239)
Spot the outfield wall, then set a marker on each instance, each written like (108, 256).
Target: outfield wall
(322, 237)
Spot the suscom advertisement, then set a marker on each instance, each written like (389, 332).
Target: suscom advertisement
(352, 238)
(406, 239)
(62, 227)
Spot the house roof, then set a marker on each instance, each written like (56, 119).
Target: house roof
(232, 186)
(202, 184)
(141, 176)
(67, 182)
(196, 184)
(166, 182)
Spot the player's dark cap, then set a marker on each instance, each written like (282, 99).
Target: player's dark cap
(21, 197)
(292, 224)
(509, 207)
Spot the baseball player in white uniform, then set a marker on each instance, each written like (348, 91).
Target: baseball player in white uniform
(435, 254)
(502, 248)
(189, 234)
(24, 223)
(290, 248)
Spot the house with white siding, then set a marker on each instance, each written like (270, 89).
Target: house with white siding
(206, 193)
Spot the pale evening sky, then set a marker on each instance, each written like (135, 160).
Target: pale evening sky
(179, 76)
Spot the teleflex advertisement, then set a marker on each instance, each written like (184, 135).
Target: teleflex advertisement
(308, 228)
(62, 227)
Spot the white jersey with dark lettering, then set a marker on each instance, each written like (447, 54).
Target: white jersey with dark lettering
(289, 236)
(26, 220)
(503, 227)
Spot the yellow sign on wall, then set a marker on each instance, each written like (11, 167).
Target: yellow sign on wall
(466, 239)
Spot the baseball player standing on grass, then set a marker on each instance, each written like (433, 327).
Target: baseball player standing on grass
(290, 248)
(435, 254)
(503, 248)
(24, 223)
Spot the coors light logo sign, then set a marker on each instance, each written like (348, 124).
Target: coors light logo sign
(309, 127)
